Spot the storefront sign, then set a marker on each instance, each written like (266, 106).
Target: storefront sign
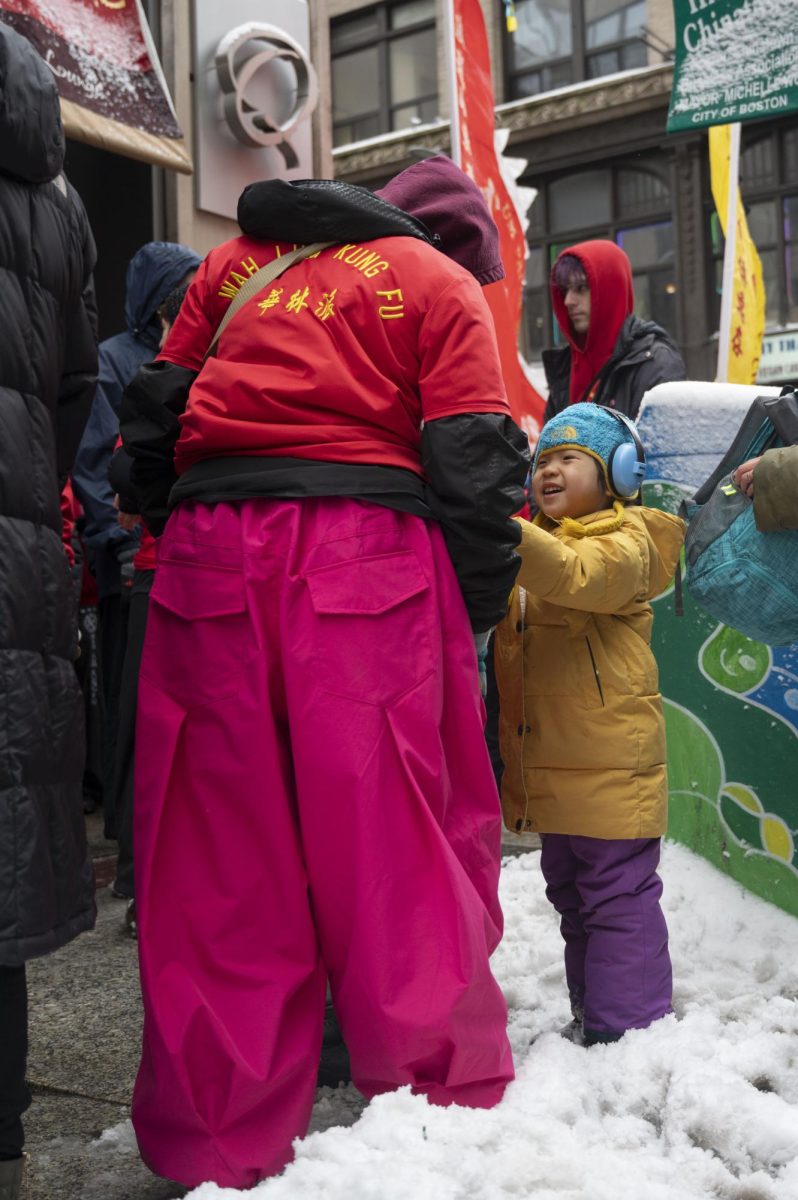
(736, 60)
(779, 361)
(255, 90)
(113, 93)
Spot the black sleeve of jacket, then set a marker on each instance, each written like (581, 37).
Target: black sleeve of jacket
(666, 365)
(79, 374)
(149, 425)
(476, 465)
(120, 481)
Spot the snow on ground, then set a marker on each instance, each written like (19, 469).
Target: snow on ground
(703, 1104)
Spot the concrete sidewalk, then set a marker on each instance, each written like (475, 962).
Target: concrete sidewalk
(85, 1032)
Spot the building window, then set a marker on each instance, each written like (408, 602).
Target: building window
(769, 183)
(558, 42)
(630, 206)
(652, 254)
(384, 70)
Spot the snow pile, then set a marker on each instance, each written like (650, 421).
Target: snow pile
(119, 1139)
(703, 1104)
(687, 427)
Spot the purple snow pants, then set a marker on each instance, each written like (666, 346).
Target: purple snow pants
(607, 893)
(314, 800)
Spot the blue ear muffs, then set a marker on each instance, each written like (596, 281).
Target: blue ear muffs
(626, 468)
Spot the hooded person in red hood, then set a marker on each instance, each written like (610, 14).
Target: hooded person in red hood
(612, 356)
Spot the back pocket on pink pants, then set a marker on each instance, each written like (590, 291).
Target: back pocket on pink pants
(373, 626)
(199, 635)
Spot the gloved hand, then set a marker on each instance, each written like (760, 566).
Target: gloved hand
(481, 646)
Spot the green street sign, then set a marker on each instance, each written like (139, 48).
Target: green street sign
(736, 60)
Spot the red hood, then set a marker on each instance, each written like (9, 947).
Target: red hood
(609, 274)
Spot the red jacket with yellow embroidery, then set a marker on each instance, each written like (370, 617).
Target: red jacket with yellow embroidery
(370, 371)
(341, 359)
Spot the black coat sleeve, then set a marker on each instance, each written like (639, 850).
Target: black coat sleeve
(665, 365)
(150, 427)
(79, 374)
(120, 481)
(476, 465)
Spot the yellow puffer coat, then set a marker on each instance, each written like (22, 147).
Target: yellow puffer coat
(582, 731)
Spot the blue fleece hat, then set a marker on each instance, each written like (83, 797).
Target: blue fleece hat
(586, 427)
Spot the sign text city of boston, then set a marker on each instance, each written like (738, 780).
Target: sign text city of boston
(736, 60)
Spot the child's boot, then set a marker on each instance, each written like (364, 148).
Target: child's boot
(573, 1031)
(594, 1037)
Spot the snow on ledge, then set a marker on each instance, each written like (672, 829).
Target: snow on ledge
(686, 427)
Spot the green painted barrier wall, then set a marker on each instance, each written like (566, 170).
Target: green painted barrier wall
(731, 710)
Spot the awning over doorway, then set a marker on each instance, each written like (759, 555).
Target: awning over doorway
(113, 92)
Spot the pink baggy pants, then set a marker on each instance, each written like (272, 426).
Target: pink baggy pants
(313, 799)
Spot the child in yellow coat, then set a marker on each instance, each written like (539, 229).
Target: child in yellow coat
(582, 730)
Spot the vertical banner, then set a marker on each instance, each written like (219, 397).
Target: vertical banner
(743, 314)
(474, 147)
(736, 60)
(113, 92)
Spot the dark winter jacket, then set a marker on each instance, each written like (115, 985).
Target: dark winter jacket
(48, 369)
(468, 469)
(154, 271)
(644, 355)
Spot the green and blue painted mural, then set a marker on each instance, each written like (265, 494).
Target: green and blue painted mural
(731, 710)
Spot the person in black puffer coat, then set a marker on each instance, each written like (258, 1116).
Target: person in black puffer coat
(612, 357)
(48, 371)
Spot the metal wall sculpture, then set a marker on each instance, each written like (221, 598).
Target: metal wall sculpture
(255, 90)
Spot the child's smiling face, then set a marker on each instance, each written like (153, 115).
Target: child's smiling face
(568, 483)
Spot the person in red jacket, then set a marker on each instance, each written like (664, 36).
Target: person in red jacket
(316, 800)
(611, 356)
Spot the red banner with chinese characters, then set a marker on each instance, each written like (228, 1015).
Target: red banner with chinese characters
(113, 93)
(476, 123)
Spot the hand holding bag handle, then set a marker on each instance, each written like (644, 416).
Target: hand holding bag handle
(260, 280)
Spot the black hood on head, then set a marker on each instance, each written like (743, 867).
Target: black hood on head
(152, 273)
(322, 210)
(31, 134)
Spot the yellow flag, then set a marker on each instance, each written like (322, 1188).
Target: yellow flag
(748, 303)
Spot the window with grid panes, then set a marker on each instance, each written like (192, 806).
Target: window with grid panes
(769, 185)
(558, 42)
(630, 206)
(384, 69)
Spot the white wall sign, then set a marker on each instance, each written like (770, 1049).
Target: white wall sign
(779, 359)
(254, 91)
